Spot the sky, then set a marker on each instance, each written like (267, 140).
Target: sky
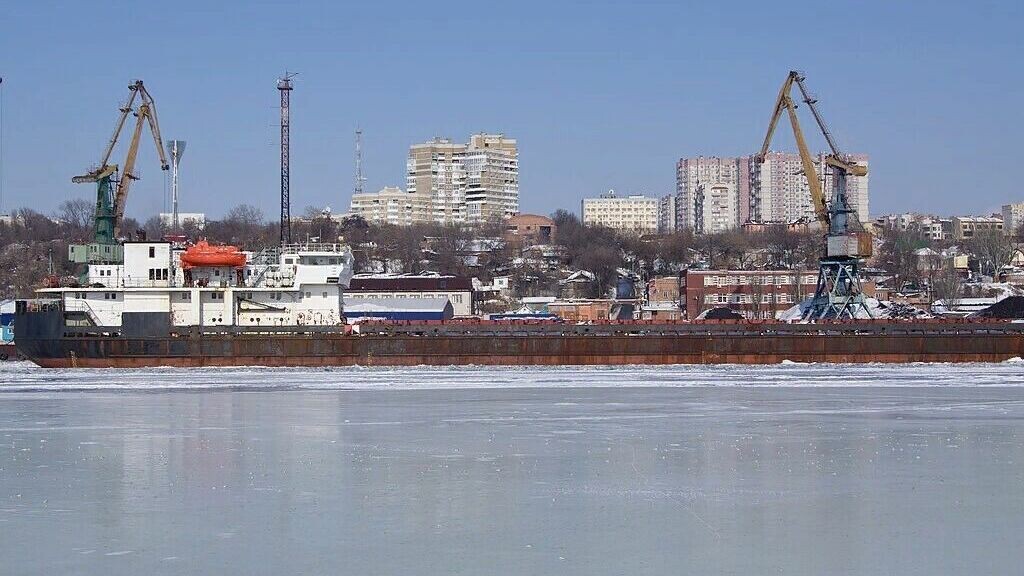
(600, 95)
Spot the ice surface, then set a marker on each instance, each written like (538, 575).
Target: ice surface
(788, 469)
(26, 377)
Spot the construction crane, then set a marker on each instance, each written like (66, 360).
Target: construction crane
(838, 293)
(110, 202)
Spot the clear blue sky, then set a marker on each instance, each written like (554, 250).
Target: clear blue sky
(599, 94)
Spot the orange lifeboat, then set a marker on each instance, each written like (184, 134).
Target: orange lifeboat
(202, 254)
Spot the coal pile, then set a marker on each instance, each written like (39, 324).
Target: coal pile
(721, 314)
(1011, 307)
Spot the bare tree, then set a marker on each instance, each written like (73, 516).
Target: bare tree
(993, 250)
(898, 255)
(154, 228)
(783, 244)
(77, 216)
(947, 285)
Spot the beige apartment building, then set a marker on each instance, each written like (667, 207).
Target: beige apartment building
(467, 183)
(433, 169)
(491, 165)
(966, 227)
(391, 205)
(636, 214)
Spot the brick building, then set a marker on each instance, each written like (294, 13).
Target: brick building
(757, 294)
(664, 289)
(530, 229)
(582, 310)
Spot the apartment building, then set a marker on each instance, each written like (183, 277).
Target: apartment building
(636, 214)
(780, 192)
(697, 177)
(966, 227)
(392, 205)
(491, 167)
(1013, 217)
(719, 193)
(667, 214)
(716, 207)
(932, 227)
(435, 169)
(467, 183)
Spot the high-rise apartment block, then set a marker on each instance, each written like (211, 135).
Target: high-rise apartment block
(667, 214)
(435, 170)
(635, 214)
(467, 183)
(491, 164)
(1013, 217)
(698, 177)
(715, 194)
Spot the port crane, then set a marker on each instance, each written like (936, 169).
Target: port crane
(847, 244)
(110, 201)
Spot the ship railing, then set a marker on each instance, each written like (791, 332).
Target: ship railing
(84, 307)
(38, 305)
(313, 247)
(267, 256)
(142, 283)
(487, 329)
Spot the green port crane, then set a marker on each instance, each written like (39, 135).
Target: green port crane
(847, 244)
(110, 201)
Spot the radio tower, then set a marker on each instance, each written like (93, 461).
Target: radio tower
(359, 162)
(284, 85)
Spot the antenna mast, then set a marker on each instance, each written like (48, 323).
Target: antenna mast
(284, 85)
(175, 148)
(359, 162)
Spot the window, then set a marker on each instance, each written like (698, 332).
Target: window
(152, 252)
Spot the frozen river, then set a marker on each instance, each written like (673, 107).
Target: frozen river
(788, 469)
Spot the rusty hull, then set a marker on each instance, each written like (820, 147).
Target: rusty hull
(522, 349)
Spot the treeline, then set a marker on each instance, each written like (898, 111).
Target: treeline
(34, 245)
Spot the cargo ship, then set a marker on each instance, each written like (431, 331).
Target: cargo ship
(202, 305)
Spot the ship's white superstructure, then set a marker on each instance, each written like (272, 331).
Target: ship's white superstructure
(287, 286)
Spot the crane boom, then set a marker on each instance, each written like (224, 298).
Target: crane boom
(799, 79)
(785, 102)
(145, 114)
(110, 201)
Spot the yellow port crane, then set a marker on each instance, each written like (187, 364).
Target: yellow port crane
(110, 203)
(838, 293)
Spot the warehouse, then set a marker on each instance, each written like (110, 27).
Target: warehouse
(397, 308)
